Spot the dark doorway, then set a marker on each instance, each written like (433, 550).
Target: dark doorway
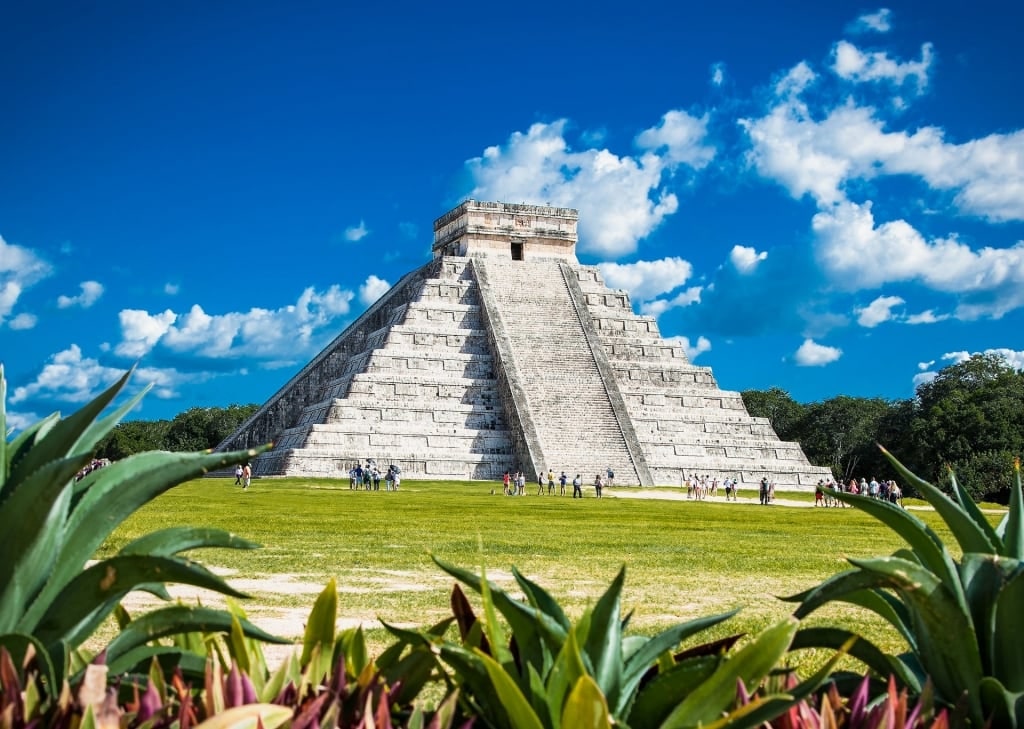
(517, 251)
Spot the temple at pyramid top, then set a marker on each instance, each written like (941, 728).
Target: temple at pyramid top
(504, 353)
(506, 230)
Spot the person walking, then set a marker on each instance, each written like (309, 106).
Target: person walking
(246, 476)
(598, 485)
(238, 475)
(577, 487)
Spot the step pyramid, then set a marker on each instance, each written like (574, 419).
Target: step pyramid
(503, 353)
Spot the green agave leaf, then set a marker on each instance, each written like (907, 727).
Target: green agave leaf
(177, 619)
(19, 644)
(946, 641)
(136, 661)
(862, 649)
(970, 528)
(965, 502)
(566, 671)
(1012, 525)
(539, 598)
(656, 700)
(586, 707)
(59, 442)
(1007, 656)
(889, 607)
(841, 586)
(1001, 707)
(641, 661)
(765, 708)
(93, 594)
(926, 543)
(492, 628)
(250, 716)
(537, 695)
(19, 447)
(603, 644)
(97, 430)
(236, 645)
(32, 524)
(352, 644)
(983, 577)
(750, 665)
(320, 625)
(529, 625)
(520, 714)
(121, 489)
(173, 540)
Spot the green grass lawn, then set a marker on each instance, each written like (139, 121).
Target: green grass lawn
(684, 559)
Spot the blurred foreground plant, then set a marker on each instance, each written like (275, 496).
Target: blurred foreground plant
(961, 620)
(52, 598)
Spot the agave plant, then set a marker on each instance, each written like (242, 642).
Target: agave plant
(52, 595)
(551, 673)
(960, 619)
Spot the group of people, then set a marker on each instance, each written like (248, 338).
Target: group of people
(886, 490)
(514, 484)
(93, 465)
(368, 477)
(700, 487)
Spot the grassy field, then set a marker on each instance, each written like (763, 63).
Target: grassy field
(684, 559)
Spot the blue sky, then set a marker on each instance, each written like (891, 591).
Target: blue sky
(822, 197)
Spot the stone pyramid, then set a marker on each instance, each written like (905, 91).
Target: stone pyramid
(503, 353)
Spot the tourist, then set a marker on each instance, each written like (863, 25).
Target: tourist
(506, 482)
(551, 482)
(598, 484)
(561, 483)
(238, 475)
(577, 487)
(246, 476)
(819, 493)
(764, 490)
(540, 484)
(727, 485)
(611, 476)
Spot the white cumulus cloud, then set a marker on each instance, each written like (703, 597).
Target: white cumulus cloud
(878, 311)
(679, 138)
(261, 334)
(647, 279)
(357, 232)
(657, 307)
(852, 64)
(879, 21)
(692, 350)
(372, 289)
(20, 268)
(621, 199)
(856, 253)
(91, 291)
(812, 354)
(745, 259)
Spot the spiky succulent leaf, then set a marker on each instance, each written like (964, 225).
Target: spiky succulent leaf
(177, 619)
(118, 491)
(882, 663)
(92, 595)
(749, 665)
(640, 661)
(946, 642)
(968, 525)
(174, 540)
(1007, 656)
(586, 706)
(603, 645)
(927, 545)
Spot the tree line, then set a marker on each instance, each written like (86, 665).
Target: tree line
(970, 418)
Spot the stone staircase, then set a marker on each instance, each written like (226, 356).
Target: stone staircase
(566, 399)
(420, 394)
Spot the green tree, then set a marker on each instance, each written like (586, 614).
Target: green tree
(841, 434)
(131, 437)
(783, 412)
(198, 429)
(970, 408)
